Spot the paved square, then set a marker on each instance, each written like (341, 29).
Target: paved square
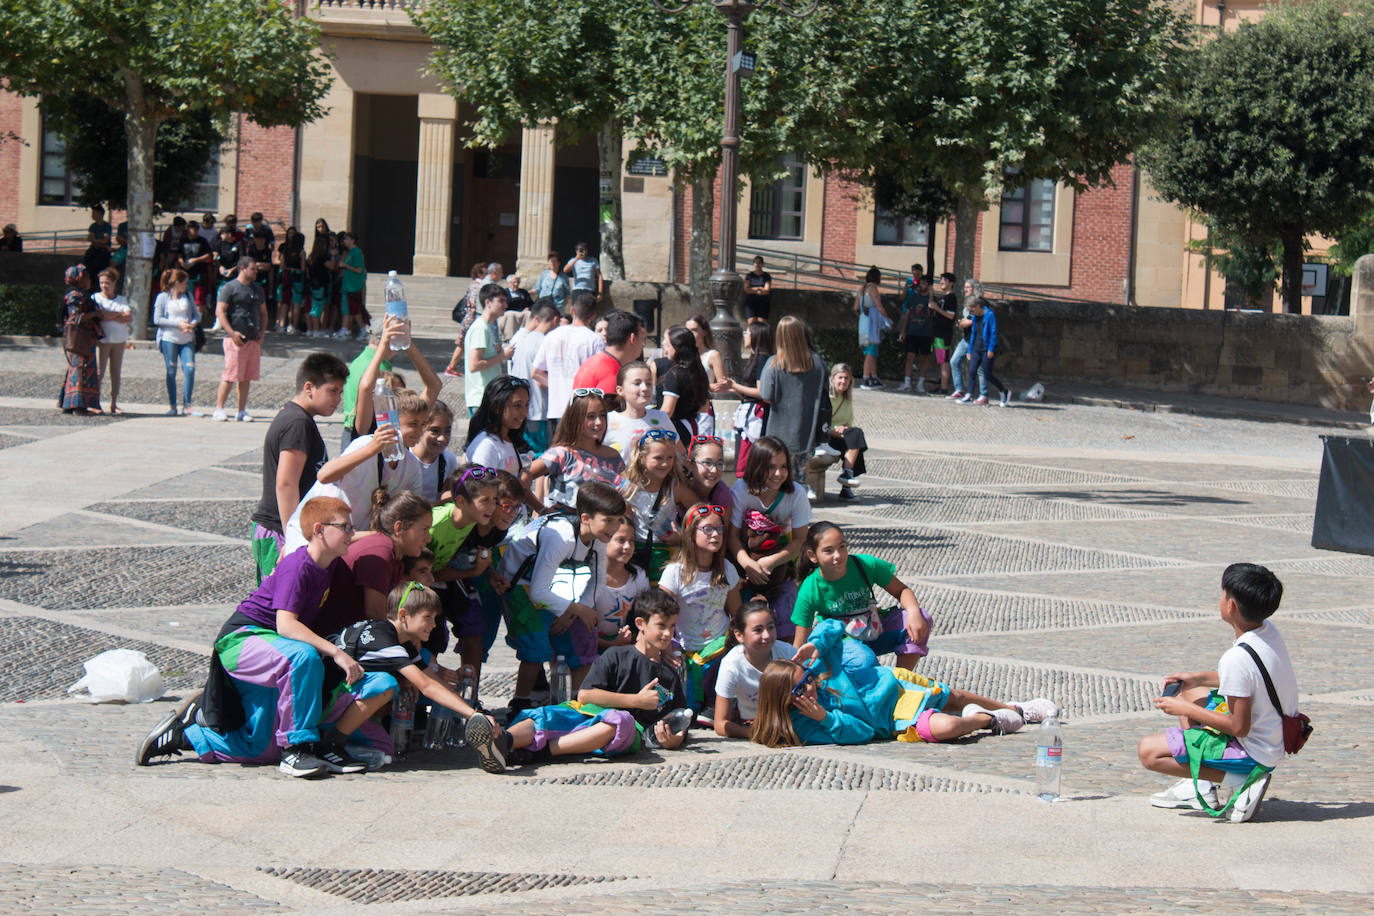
(1064, 550)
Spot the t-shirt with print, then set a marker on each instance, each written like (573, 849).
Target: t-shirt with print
(192, 248)
(375, 646)
(792, 511)
(432, 475)
(444, 538)
(493, 452)
(1238, 676)
(370, 563)
(571, 467)
(625, 669)
(614, 605)
(941, 326)
(916, 306)
(655, 512)
(486, 337)
(847, 595)
(561, 354)
(703, 617)
(293, 429)
(623, 431)
(739, 680)
(298, 584)
(356, 488)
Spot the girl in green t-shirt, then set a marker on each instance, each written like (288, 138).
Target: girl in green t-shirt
(837, 584)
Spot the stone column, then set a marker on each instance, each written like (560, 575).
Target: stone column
(535, 221)
(434, 184)
(1362, 296)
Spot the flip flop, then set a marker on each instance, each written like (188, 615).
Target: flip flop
(116, 412)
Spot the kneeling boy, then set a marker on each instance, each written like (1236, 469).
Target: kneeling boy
(1231, 735)
(629, 689)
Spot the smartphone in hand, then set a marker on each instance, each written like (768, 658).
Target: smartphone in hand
(1172, 689)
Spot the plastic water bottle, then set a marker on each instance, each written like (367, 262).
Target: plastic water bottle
(467, 689)
(438, 727)
(1049, 759)
(395, 296)
(560, 685)
(384, 408)
(402, 719)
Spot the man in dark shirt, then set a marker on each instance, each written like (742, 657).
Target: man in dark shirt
(758, 293)
(97, 256)
(293, 452)
(944, 306)
(257, 226)
(227, 254)
(196, 258)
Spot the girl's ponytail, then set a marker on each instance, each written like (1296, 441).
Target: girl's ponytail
(805, 565)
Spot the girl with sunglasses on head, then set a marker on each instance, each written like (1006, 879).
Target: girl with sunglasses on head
(635, 387)
(707, 588)
(653, 491)
(496, 432)
(705, 464)
(768, 524)
(578, 454)
(846, 697)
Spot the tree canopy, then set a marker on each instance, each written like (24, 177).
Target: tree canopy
(1272, 134)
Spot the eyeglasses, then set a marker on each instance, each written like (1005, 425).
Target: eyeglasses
(704, 509)
(808, 677)
(711, 531)
(346, 527)
(588, 392)
(478, 473)
(710, 465)
(412, 584)
(704, 440)
(658, 434)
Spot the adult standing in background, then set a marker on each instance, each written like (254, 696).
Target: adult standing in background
(792, 383)
(873, 320)
(10, 239)
(80, 333)
(98, 235)
(959, 360)
(175, 316)
(758, 293)
(522, 366)
(115, 318)
(917, 330)
(625, 336)
(553, 283)
(242, 311)
(564, 351)
(585, 271)
(943, 307)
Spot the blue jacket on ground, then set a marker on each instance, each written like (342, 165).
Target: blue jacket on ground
(858, 697)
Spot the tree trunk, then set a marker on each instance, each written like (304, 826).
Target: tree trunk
(931, 219)
(140, 132)
(609, 146)
(1292, 271)
(699, 267)
(965, 239)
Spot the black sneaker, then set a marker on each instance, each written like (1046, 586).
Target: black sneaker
(490, 750)
(518, 705)
(846, 493)
(337, 759)
(165, 740)
(297, 761)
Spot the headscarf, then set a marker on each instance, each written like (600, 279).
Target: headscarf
(74, 274)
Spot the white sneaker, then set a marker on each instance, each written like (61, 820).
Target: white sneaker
(921, 385)
(1006, 399)
(1037, 710)
(1004, 721)
(215, 327)
(811, 494)
(1181, 795)
(826, 450)
(905, 385)
(245, 417)
(342, 334)
(1249, 801)
(290, 329)
(955, 396)
(219, 416)
(966, 398)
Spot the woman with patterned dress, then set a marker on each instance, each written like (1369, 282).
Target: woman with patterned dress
(80, 331)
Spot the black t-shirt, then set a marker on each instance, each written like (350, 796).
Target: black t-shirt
(624, 669)
(941, 326)
(677, 380)
(374, 645)
(194, 248)
(228, 253)
(754, 282)
(295, 430)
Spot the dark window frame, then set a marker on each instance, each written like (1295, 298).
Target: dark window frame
(51, 148)
(766, 210)
(902, 226)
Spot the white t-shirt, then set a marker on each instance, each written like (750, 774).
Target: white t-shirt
(1239, 677)
(493, 452)
(431, 477)
(115, 331)
(703, 616)
(615, 604)
(551, 543)
(564, 351)
(622, 430)
(521, 366)
(792, 511)
(739, 680)
(356, 488)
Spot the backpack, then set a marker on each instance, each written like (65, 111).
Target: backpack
(522, 573)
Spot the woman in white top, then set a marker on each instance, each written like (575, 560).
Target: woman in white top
(115, 317)
(714, 365)
(175, 316)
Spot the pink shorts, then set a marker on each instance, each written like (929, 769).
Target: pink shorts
(241, 362)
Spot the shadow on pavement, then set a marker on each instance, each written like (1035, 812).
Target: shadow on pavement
(1134, 497)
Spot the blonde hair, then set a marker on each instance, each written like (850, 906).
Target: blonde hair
(793, 352)
(635, 470)
(773, 723)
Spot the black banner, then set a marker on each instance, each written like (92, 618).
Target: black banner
(1344, 518)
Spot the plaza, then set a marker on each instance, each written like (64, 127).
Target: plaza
(1064, 549)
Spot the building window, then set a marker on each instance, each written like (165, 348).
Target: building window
(204, 196)
(55, 184)
(778, 210)
(890, 230)
(1028, 218)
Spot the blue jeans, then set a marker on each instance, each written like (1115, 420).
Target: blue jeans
(980, 362)
(956, 369)
(187, 354)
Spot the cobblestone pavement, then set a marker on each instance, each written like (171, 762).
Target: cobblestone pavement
(1064, 550)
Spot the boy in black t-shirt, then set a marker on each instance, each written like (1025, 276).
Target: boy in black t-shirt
(629, 689)
(293, 452)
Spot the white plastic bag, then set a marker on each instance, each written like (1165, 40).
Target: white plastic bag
(1035, 392)
(121, 676)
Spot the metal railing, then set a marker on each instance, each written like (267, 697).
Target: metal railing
(63, 241)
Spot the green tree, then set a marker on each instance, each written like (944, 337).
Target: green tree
(1273, 129)
(98, 154)
(158, 60)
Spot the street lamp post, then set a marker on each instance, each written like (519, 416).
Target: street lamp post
(727, 286)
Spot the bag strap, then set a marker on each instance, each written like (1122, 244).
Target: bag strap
(1264, 673)
(439, 487)
(774, 504)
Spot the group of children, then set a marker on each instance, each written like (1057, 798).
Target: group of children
(639, 591)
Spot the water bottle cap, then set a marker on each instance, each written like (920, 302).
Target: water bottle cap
(390, 274)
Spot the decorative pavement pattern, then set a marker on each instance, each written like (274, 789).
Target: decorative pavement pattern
(1065, 551)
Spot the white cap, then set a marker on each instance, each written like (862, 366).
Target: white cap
(390, 274)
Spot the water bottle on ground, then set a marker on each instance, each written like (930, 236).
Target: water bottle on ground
(384, 408)
(467, 689)
(395, 296)
(1049, 759)
(560, 685)
(439, 727)
(402, 719)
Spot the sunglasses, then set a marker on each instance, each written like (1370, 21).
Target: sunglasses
(658, 435)
(411, 585)
(517, 382)
(704, 509)
(704, 440)
(808, 677)
(478, 473)
(588, 392)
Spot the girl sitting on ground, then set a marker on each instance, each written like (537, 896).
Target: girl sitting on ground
(846, 697)
(754, 635)
(836, 584)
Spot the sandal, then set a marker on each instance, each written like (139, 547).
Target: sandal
(115, 411)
